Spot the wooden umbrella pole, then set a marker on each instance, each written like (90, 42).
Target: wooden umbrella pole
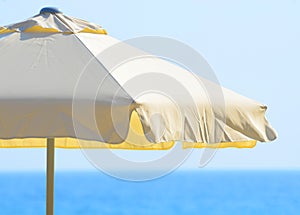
(50, 176)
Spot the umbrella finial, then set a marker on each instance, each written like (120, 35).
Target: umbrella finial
(50, 10)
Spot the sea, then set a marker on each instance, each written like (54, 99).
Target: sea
(180, 193)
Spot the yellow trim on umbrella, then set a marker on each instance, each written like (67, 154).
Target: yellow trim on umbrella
(40, 29)
(241, 144)
(6, 30)
(135, 140)
(93, 31)
(73, 143)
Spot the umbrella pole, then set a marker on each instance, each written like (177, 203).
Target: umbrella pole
(50, 177)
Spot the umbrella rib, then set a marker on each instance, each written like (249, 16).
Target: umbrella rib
(67, 25)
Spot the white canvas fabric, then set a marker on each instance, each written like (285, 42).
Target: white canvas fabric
(51, 62)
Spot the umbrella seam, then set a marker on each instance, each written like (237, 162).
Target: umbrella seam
(95, 57)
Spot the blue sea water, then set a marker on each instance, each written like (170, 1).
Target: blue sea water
(182, 192)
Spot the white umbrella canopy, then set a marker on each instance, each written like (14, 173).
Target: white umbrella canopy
(42, 60)
(52, 61)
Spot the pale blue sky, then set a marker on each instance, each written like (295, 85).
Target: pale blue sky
(253, 46)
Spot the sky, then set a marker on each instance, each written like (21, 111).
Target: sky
(253, 47)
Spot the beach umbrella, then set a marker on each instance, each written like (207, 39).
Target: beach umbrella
(51, 61)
